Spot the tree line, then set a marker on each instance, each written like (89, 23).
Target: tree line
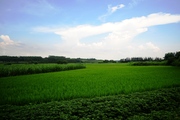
(38, 59)
(139, 59)
(171, 58)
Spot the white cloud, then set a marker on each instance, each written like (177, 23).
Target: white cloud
(114, 8)
(118, 39)
(11, 47)
(144, 50)
(7, 44)
(110, 11)
(149, 46)
(134, 3)
(153, 47)
(39, 8)
(126, 29)
(6, 41)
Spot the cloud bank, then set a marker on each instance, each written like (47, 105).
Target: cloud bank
(118, 37)
(112, 40)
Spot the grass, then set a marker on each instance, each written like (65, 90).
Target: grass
(23, 69)
(95, 80)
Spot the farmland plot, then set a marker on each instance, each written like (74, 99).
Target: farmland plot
(95, 81)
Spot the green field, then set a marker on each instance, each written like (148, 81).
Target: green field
(24, 69)
(96, 80)
(160, 104)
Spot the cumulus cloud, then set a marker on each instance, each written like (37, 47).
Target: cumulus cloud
(110, 10)
(6, 44)
(153, 47)
(147, 49)
(148, 46)
(117, 40)
(6, 41)
(124, 30)
(11, 47)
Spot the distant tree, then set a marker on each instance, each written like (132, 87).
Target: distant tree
(62, 62)
(105, 61)
(112, 61)
(176, 62)
(158, 59)
(177, 55)
(122, 60)
(150, 59)
(145, 59)
(170, 57)
(134, 59)
(127, 59)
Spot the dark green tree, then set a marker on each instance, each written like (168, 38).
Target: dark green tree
(177, 55)
(170, 57)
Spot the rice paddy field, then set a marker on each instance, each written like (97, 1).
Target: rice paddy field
(97, 82)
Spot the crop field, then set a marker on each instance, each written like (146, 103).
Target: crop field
(160, 104)
(23, 69)
(94, 81)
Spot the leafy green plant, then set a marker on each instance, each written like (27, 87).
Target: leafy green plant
(148, 105)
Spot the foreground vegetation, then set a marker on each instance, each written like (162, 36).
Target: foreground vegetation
(24, 69)
(94, 81)
(162, 104)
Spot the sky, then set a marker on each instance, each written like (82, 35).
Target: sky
(101, 29)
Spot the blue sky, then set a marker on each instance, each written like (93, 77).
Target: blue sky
(108, 29)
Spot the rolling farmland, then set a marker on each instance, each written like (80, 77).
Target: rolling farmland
(96, 82)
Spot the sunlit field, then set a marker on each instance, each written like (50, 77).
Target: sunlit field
(24, 69)
(93, 81)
